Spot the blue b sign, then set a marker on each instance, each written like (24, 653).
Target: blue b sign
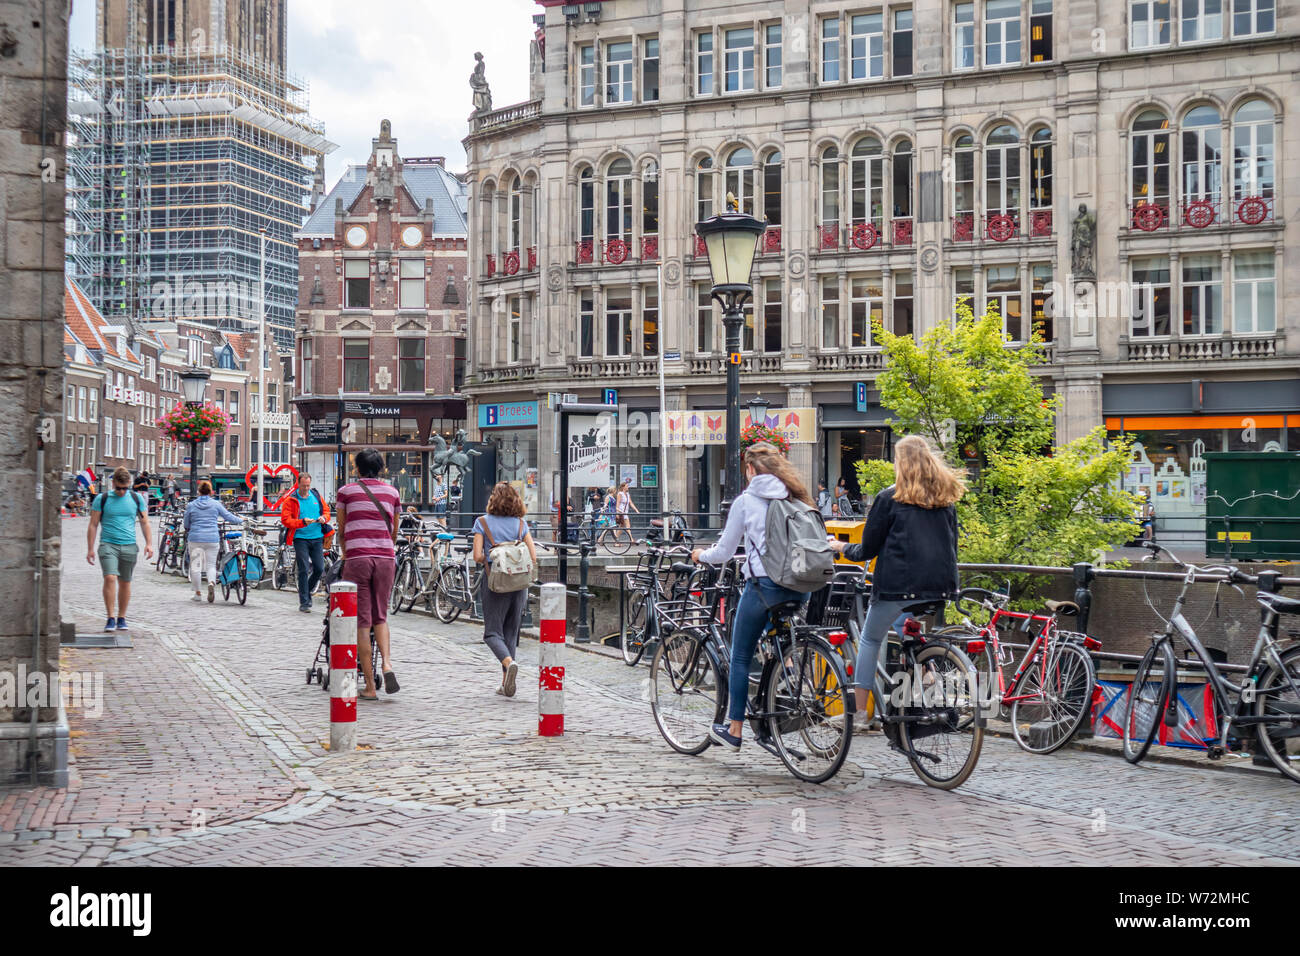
(862, 396)
(611, 396)
(508, 415)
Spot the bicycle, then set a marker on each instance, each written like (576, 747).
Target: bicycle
(455, 586)
(1268, 698)
(257, 550)
(603, 530)
(407, 578)
(1049, 696)
(800, 708)
(171, 542)
(934, 698)
(648, 587)
(284, 572)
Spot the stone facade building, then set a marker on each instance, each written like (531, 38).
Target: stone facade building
(381, 317)
(1109, 174)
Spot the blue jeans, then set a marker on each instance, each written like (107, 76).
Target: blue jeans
(881, 615)
(760, 595)
(310, 553)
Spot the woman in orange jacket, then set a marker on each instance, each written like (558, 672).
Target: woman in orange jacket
(306, 514)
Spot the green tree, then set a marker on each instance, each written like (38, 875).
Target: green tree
(973, 394)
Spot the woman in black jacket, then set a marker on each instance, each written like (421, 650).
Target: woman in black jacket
(912, 530)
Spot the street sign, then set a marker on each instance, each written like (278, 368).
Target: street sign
(862, 396)
(323, 432)
(610, 396)
(672, 356)
(734, 358)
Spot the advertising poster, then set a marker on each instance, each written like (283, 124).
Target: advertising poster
(649, 476)
(627, 473)
(588, 451)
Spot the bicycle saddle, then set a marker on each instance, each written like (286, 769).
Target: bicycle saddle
(656, 522)
(463, 550)
(922, 608)
(232, 535)
(1278, 603)
(1064, 608)
(446, 537)
(785, 610)
(258, 532)
(680, 567)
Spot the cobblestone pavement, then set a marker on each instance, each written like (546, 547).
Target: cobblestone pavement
(211, 750)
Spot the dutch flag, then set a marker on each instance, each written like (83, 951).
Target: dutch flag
(86, 478)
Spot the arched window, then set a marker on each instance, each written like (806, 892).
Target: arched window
(649, 198)
(618, 200)
(963, 188)
(1150, 160)
(1253, 152)
(490, 214)
(867, 183)
(901, 198)
(516, 237)
(772, 188)
(1202, 151)
(1002, 172)
(704, 188)
(830, 188)
(740, 178)
(1040, 182)
(586, 213)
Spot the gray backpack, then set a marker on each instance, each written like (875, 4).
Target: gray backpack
(796, 555)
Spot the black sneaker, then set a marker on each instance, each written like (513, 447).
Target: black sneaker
(719, 734)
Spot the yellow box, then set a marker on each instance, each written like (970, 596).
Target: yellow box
(849, 531)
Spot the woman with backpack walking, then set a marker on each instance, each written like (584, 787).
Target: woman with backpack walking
(912, 528)
(203, 538)
(771, 478)
(500, 538)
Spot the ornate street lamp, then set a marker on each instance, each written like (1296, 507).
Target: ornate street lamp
(731, 240)
(758, 410)
(194, 382)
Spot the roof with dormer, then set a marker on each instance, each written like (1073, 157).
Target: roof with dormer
(424, 181)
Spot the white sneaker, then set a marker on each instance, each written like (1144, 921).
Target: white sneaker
(198, 598)
(501, 691)
(508, 683)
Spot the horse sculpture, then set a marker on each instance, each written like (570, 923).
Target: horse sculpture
(445, 457)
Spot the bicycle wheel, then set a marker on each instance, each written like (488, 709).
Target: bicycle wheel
(1148, 698)
(983, 660)
(448, 594)
(241, 586)
(812, 717)
(1050, 702)
(163, 547)
(397, 593)
(632, 641)
(944, 744)
(618, 540)
(685, 692)
(1275, 696)
(281, 574)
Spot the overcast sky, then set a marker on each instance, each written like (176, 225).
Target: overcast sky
(404, 60)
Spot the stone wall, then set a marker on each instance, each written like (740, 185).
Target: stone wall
(33, 70)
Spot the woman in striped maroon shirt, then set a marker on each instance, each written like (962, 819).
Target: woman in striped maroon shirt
(367, 512)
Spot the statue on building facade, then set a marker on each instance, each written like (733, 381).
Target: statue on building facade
(479, 84)
(1083, 235)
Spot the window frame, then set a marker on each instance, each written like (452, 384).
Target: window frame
(768, 49)
(405, 362)
(830, 50)
(1004, 43)
(1254, 11)
(1140, 288)
(741, 55)
(895, 33)
(349, 264)
(352, 361)
(407, 282)
(964, 37)
(871, 43)
(647, 70)
(623, 344)
(1200, 293)
(625, 67)
(1253, 284)
(586, 60)
(705, 52)
(1151, 9)
(1199, 20)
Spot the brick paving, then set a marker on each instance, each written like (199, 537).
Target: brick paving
(211, 750)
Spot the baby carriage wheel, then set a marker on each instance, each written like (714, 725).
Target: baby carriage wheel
(311, 674)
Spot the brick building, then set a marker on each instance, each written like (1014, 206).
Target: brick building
(381, 317)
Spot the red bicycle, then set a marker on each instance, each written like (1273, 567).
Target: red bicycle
(1050, 693)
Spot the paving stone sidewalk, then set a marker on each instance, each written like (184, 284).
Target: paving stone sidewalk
(211, 750)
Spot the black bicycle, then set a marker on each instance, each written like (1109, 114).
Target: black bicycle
(1267, 700)
(651, 583)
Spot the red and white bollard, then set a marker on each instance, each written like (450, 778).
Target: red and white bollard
(343, 667)
(550, 674)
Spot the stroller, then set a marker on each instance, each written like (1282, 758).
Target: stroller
(319, 671)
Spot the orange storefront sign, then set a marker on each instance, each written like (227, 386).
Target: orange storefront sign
(1175, 422)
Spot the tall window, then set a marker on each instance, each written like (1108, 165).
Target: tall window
(130, 438)
(1040, 168)
(515, 197)
(705, 318)
(963, 36)
(902, 185)
(410, 365)
(1202, 295)
(412, 291)
(773, 56)
(1150, 171)
(356, 283)
(830, 49)
(1040, 31)
(586, 75)
(69, 402)
(219, 451)
(586, 324)
(963, 182)
(1148, 23)
(704, 64)
(866, 46)
(1151, 297)
(1201, 20)
(901, 43)
(307, 380)
(121, 438)
(650, 321)
(618, 322)
(92, 405)
(740, 178)
(650, 199)
(829, 301)
(867, 183)
(772, 188)
(1202, 140)
(866, 307)
(1251, 17)
(772, 313)
(1002, 291)
(1002, 172)
(903, 323)
(81, 403)
(618, 200)
(586, 204)
(1041, 306)
(1252, 150)
(1254, 293)
(1001, 32)
(739, 65)
(650, 70)
(234, 451)
(703, 189)
(830, 187)
(234, 406)
(963, 289)
(356, 365)
(618, 73)
(515, 331)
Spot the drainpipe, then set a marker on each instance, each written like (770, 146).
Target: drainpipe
(38, 554)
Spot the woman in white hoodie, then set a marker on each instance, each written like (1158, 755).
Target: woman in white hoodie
(770, 477)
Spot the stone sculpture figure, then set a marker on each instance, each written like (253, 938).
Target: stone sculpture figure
(1083, 235)
(479, 84)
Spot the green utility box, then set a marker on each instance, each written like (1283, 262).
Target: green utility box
(1252, 505)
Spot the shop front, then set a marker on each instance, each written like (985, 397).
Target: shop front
(511, 428)
(1173, 425)
(852, 433)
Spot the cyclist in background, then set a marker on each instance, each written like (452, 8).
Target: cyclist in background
(770, 476)
(912, 528)
(623, 501)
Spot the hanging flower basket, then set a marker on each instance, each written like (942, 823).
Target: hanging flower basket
(762, 433)
(198, 424)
